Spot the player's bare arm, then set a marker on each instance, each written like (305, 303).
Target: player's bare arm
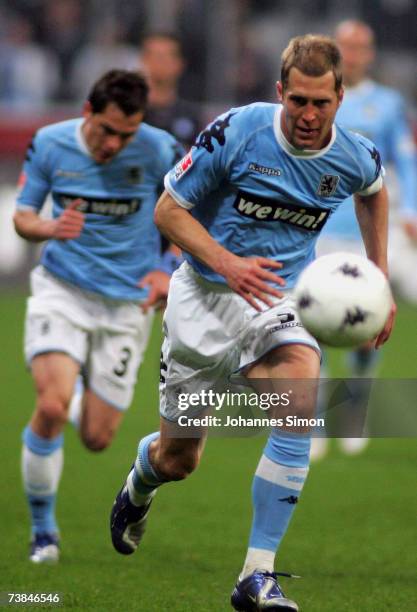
(372, 215)
(248, 276)
(32, 227)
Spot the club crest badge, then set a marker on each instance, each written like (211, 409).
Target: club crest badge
(328, 184)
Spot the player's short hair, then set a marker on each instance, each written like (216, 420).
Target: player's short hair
(313, 55)
(125, 88)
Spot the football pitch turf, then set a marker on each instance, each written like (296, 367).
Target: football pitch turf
(352, 539)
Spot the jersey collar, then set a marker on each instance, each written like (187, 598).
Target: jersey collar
(79, 137)
(293, 151)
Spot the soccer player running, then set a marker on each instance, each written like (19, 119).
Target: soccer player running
(101, 262)
(248, 201)
(379, 113)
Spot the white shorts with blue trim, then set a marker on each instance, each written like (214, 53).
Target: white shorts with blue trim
(212, 333)
(106, 337)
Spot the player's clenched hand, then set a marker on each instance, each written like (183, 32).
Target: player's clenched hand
(70, 223)
(158, 283)
(250, 278)
(386, 332)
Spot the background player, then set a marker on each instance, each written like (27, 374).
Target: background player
(101, 260)
(378, 113)
(164, 64)
(250, 197)
(163, 60)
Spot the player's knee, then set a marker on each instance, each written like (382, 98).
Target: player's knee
(51, 409)
(177, 466)
(96, 441)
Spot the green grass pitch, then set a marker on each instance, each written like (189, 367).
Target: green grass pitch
(353, 537)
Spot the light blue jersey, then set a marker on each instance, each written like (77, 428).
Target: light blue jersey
(259, 196)
(119, 243)
(378, 113)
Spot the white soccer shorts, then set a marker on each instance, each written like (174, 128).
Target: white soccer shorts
(211, 333)
(106, 337)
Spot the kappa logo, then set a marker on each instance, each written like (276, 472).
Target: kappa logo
(264, 209)
(119, 207)
(264, 169)
(71, 174)
(215, 131)
(183, 166)
(374, 153)
(281, 326)
(287, 320)
(45, 327)
(328, 185)
(292, 499)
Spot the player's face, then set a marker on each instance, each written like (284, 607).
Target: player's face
(356, 46)
(108, 132)
(309, 108)
(162, 60)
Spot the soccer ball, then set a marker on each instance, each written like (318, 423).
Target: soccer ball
(343, 299)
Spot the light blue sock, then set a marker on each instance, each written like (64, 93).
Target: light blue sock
(42, 461)
(277, 484)
(363, 363)
(143, 480)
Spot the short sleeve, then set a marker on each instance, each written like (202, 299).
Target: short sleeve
(207, 163)
(34, 181)
(371, 165)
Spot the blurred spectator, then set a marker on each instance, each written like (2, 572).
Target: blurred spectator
(377, 112)
(380, 113)
(164, 65)
(105, 51)
(28, 73)
(63, 32)
(253, 74)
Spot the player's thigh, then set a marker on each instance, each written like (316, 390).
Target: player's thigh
(293, 370)
(202, 324)
(116, 351)
(56, 319)
(287, 361)
(54, 375)
(99, 421)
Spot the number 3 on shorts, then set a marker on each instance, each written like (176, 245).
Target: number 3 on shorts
(125, 356)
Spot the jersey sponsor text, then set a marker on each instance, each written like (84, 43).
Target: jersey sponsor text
(264, 209)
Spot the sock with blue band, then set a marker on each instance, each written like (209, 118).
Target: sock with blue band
(42, 461)
(277, 484)
(143, 481)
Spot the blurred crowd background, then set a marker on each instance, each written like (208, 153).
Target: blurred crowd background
(51, 51)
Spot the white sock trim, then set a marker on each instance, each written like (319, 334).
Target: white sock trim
(41, 474)
(283, 475)
(258, 559)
